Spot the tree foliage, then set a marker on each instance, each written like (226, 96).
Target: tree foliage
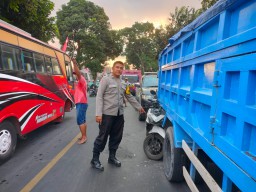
(161, 39)
(140, 46)
(180, 18)
(33, 17)
(89, 30)
(206, 4)
(144, 42)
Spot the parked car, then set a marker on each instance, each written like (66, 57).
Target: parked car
(149, 82)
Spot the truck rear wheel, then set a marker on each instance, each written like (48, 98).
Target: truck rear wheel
(8, 140)
(173, 158)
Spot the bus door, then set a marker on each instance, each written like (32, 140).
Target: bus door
(70, 77)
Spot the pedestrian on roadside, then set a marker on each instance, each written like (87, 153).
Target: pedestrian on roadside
(126, 80)
(109, 115)
(80, 97)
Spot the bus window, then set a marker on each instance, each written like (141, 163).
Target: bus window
(9, 56)
(56, 67)
(28, 62)
(39, 61)
(48, 65)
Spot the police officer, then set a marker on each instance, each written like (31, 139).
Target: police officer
(109, 115)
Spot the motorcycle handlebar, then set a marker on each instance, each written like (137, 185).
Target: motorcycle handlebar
(154, 103)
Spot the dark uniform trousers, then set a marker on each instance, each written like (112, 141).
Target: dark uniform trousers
(111, 126)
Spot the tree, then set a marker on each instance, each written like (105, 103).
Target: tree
(180, 18)
(89, 30)
(140, 46)
(32, 17)
(184, 16)
(206, 4)
(161, 39)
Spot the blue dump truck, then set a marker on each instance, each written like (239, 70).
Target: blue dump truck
(207, 86)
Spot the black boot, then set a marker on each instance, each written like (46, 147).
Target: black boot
(95, 162)
(113, 160)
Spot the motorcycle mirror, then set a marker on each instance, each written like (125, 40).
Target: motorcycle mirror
(153, 92)
(137, 85)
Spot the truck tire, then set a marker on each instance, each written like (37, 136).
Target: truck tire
(153, 146)
(8, 140)
(173, 158)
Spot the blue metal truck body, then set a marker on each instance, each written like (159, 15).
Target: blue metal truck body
(207, 86)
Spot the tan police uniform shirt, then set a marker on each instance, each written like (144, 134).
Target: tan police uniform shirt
(109, 99)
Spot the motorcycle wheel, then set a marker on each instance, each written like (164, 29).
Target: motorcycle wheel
(153, 146)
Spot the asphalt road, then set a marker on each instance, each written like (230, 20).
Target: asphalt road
(40, 164)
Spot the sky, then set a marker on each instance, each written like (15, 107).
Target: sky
(124, 13)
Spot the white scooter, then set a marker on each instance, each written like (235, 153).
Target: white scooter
(155, 133)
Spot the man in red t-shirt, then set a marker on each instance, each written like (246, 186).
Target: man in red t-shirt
(81, 103)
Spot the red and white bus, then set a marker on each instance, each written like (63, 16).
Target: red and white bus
(36, 84)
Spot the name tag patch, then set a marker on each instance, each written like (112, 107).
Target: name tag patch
(111, 86)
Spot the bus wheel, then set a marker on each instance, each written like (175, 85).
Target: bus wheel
(173, 158)
(8, 140)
